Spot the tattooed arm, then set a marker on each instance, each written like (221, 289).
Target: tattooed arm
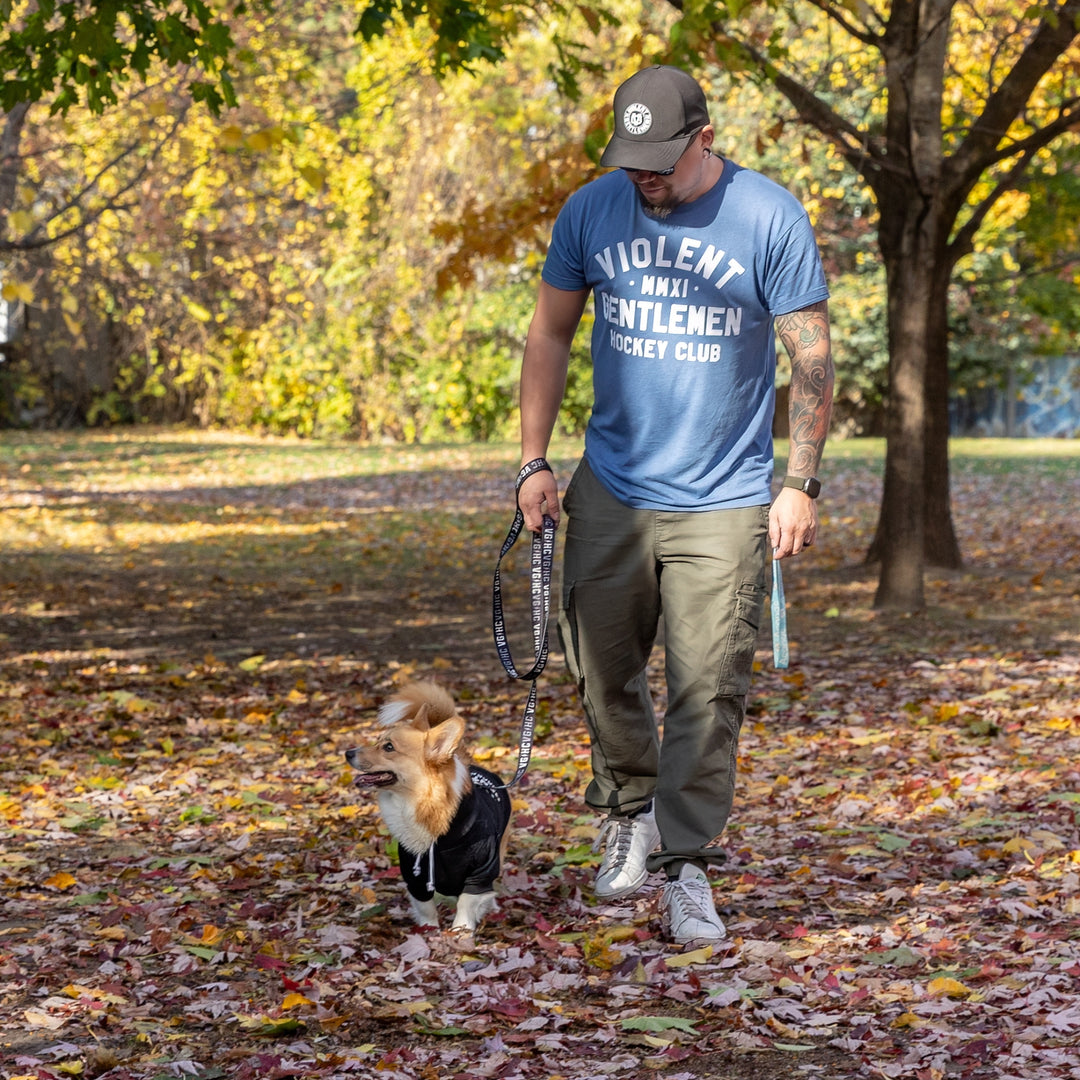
(793, 518)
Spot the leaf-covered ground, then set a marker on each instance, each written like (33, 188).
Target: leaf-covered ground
(194, 629)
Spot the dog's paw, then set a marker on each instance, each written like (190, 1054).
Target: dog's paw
(424, 912)
(471, 909)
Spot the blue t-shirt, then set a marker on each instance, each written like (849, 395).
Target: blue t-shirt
(683, 348)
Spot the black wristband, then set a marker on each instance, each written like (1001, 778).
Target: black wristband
(808, 485)
(536, 465)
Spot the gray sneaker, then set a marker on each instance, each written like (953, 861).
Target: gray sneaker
(687, 910)
(627, 842)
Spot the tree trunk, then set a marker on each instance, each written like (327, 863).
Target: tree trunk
(10, 137)
(940, 546)
(901, 525)
(939, 543)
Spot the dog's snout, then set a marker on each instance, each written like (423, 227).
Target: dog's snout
(351, 756)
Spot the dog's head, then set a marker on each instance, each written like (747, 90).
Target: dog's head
(410, 755)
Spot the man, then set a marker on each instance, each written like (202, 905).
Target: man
(695, 264)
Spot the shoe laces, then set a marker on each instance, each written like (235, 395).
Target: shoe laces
(693, 898)
(615, 836)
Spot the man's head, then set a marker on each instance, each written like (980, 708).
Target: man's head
(658, 112)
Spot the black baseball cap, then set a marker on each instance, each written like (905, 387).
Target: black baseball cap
(658, 112)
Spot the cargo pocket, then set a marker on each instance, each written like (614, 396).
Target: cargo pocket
(568, 634)
(568, 491)
(737, 663)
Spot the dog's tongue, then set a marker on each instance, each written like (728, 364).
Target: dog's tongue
(374, 779)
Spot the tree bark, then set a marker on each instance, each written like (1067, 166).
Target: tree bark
(940, 546)
(10, 165)
(901, 524)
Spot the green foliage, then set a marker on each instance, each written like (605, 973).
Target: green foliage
(67, 53)
(1017, 296)
(463, 34)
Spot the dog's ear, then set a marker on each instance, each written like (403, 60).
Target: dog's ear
(444, 739)
(420, 721)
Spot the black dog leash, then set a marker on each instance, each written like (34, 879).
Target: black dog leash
(543, 555)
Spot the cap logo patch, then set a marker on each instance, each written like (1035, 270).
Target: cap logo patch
(637, 119)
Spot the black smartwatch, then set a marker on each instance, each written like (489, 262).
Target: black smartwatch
(808, 485)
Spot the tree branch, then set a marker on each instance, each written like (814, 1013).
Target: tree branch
(963, 242)
(35, 240)
(855, 145)
(839, 16)
(9, 156)
(1005, 104)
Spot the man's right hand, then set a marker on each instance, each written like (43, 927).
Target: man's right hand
(537, 496)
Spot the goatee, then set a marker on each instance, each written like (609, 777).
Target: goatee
(659, 211)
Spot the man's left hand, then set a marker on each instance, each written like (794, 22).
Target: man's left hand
(793, 523)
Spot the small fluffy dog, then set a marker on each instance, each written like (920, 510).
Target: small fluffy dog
(448, 815)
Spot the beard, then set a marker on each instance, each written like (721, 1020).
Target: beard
(659, 211)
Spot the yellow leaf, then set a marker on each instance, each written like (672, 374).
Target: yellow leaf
(293, 1000)
(69, 1068)
(37, 1019)
(22, 221)
(697, 956)
(1018, 843)
(259, 140)
(404, 1008)
(18, 290)
(315, 177)
(600, 954)
(211, 935)
(232, 137)
(73, 325)
(62, 880)
(907, 1019)
(76, 990)
(947, 987)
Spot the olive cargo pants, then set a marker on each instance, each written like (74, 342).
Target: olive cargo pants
(704, 573)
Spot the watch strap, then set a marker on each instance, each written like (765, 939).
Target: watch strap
(808, 485)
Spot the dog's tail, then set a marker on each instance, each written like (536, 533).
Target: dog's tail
(411, 698)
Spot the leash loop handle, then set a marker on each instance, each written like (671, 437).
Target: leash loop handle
(779, 617)
(543, 555)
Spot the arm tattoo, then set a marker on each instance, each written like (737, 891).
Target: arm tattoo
(805, 335)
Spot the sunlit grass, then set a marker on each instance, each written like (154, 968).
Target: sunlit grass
(166, 459)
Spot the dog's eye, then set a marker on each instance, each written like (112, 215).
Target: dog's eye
(388, 747)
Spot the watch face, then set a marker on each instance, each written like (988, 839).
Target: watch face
(808, 485)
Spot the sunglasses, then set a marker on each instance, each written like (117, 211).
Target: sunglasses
(655, 172)
(665, 172)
